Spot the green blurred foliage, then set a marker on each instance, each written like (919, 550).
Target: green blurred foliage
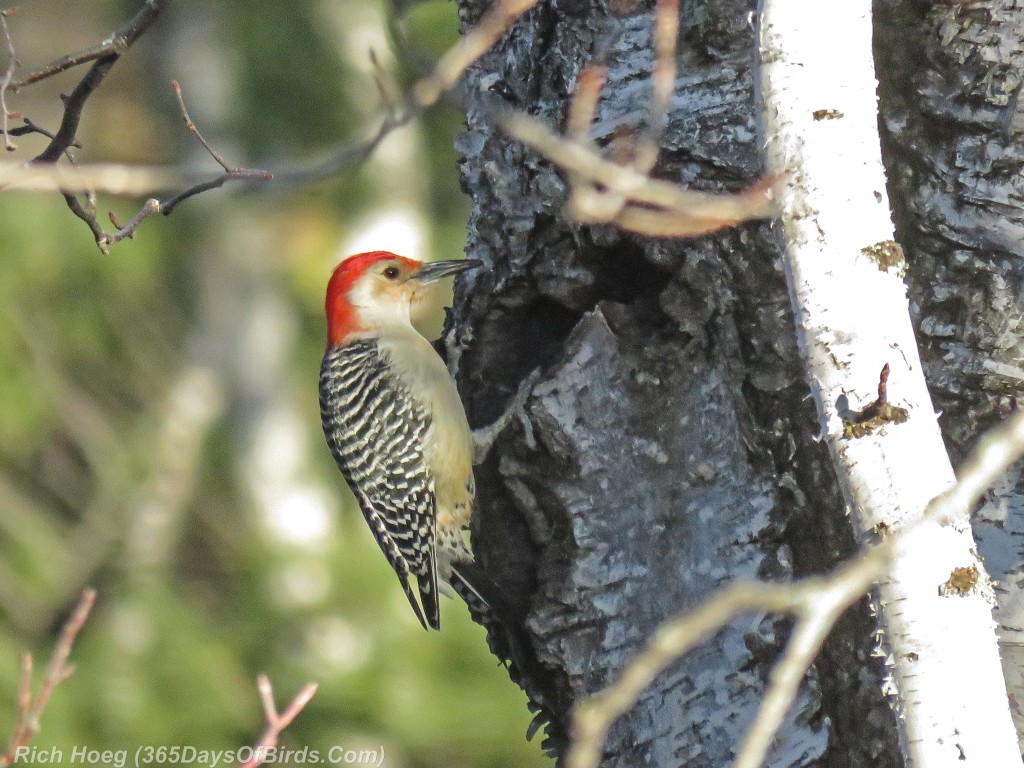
(159, 427)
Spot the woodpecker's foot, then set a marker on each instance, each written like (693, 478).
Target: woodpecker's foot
(455, 341)
(483, 438)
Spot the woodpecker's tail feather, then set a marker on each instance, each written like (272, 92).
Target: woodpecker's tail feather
(462, 580)
(506, 635)
(427, 584)
(429, 597)
(489, 606)
(404, 581)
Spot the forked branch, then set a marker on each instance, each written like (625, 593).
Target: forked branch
(276, 721)
(30, 707)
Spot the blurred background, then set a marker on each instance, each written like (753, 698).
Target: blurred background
(159, 425)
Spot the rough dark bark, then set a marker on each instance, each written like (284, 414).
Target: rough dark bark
(671, 442)
(951, 76)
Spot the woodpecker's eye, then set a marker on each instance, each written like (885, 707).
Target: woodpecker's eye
(392, 273)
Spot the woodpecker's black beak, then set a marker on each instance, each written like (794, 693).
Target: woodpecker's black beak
(437, 270)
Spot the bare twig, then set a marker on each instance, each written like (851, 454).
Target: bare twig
(425, 93)
(593, 203)
(602, 191)
(663, 80)
(57, 671)
(194, 129)
(242, 174)
(623, 193)
(30, 127)
(589, 83)
(470, 47)
(30, 710)
(127, 231)
(817, 604)
(87, 211)
(74, 103)
(276, 721)
(65, 137)
(5, 82)
(390, 99)
(125, 180)
(114, 46)
(655, 207)
(601, 203)
(106, 239)
(109, 178)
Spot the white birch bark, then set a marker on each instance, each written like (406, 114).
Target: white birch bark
(820, 124)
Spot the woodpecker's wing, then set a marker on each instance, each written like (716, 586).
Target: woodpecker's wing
(375, 430)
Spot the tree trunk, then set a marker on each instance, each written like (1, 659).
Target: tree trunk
(671, 444)
(951, 77)
(846, 277)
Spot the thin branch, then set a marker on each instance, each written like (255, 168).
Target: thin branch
(87, 212)
(194, 129)
(997, 451)
(822, 605)
(106, 239)
(663, 80)
(75, 102)
(583, 105)
(113, 47)
(127, 231)
(425, 93)
(30, 710)
(599, 204)
(347, 157)
(582, 108)
(816, 602)
(73, 106)
(276, 721)
(602, 191)
(109, 178)
(57, 671)
(624, 194)
(594, 717)
(470, 47)
(12, 63)
(30, 127)
(655, 207)
(127, 180)
(66, 135)
(242, 174)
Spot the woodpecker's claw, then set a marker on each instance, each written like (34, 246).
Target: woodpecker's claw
(483, 438)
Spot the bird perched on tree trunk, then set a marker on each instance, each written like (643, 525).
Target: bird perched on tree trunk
(394, 421)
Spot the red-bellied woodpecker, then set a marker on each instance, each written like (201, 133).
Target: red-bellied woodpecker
(394, 421)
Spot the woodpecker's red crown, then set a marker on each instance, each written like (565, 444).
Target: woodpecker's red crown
(377, 288)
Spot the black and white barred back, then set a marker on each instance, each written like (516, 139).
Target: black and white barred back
(375, 430)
